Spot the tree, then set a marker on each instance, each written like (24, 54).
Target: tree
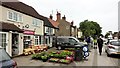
(90, 28)
(107, 34)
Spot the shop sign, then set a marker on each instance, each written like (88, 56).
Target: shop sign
(29, 32)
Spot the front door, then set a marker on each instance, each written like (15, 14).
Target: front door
(15, 44)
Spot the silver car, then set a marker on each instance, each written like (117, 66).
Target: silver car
(113, 47)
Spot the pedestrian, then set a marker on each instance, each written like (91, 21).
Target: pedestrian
(91, 41)
(88, 40)
(95, 43)
(100, 44)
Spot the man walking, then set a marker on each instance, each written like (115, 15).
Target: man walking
(100, 44)
(88, 40)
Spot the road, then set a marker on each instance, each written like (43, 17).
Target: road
(93, 60)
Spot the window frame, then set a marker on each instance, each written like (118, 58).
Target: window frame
(36, 22)
(37, 40)
(17, 17)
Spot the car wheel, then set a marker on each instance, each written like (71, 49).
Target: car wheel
(108, 55)
(59, 47)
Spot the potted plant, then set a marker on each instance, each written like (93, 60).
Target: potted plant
(34, 56)
(53, 60)
(44, 58)
(64, 61)
(51, 55)
(53, 52)
(69, 58)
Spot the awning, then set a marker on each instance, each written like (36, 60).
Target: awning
(9, 27)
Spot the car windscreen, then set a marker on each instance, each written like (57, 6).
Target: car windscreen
(3, 55)
(116, 43)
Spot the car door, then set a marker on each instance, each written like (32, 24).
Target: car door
(72, 42)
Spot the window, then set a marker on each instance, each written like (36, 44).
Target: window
(51, 30)
(20, 18)
(10, 15)
(71, 40)
(36, 22)
(27, 41)
(116, 43)
(36, 40)
(13, 16)
(40, 40)
(3, 40)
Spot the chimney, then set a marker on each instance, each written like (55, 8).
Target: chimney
(72, 23)
(64, 18)
(58, 15)
(51, 17)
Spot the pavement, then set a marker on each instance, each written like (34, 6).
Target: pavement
(94, 59)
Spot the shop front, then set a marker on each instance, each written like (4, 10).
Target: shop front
(11, 39)
(38, 39)
(48, 39)
(28, 38)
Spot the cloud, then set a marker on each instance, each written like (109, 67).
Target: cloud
(105, 12)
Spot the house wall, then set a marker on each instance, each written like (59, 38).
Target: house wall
(75, 31)
(79, 34)
(49, 36)
(72, 31)
(64, 28)
(26, 20)
(0, 13)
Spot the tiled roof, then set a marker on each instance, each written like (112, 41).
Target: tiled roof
(9, 27)
(28, 10)
(54, 23)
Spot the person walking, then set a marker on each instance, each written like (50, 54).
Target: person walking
(100, 44)
(95, 43)
(88, 40)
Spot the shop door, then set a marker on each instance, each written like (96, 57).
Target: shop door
(15, 44)
(50, 41)
(3, 40)
(47, 40)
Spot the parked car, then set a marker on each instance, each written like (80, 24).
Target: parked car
(113, 47)
(5, 60)
(67, 42)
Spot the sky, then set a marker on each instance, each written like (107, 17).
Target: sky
(104, 12)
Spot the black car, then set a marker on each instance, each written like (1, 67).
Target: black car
(5, 60)
(62, 42)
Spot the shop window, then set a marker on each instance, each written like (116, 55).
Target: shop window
(40, 42)
(42, 39)
(3, 40)
(27, 41)
(49, 40)
(36, 40)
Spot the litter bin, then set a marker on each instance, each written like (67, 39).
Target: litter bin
(78, 53)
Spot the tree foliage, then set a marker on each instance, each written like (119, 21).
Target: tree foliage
(106, 35)
(90, 28)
